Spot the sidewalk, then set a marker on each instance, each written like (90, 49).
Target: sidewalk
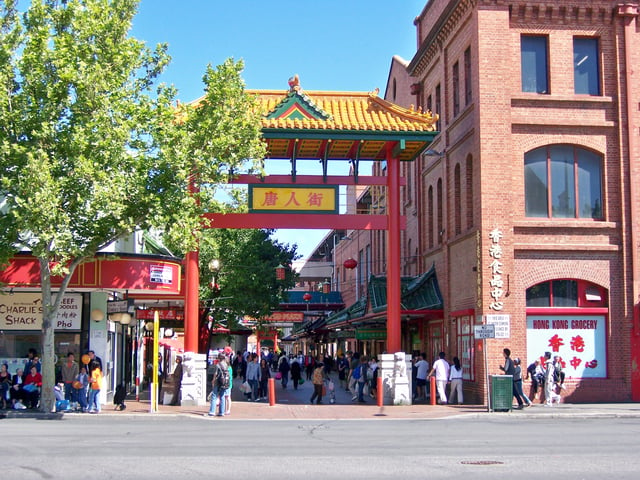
(292, 404)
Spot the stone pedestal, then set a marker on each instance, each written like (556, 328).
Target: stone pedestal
(395, 369)
(194, 378)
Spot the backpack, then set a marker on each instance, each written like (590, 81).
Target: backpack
(356, 373)
(222, 378)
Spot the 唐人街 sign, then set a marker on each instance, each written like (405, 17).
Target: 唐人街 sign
(23, 311)
(299, 199)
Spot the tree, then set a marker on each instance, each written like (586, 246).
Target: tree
(90, 148)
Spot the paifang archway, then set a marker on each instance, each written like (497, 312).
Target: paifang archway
(318, 125)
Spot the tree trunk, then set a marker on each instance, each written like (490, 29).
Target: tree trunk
(47, 397)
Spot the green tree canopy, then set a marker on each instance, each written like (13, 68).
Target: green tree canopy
(91, 147)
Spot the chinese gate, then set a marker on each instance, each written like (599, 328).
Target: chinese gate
(324, 126)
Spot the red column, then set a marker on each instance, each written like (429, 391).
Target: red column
(191, 301)
(393, 253)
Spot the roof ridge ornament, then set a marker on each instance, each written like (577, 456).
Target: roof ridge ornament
(294, 83)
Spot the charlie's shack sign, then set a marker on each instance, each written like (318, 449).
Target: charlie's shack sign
(23, 311)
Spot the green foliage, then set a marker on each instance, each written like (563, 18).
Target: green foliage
(91, 148)
(246, 276)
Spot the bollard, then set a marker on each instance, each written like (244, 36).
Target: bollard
(272, 392)
(433, 390)
(379, 392)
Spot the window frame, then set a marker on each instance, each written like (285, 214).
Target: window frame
(531, 71)
(598, 69)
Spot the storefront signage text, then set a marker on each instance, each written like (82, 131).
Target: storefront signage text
(496, 283)
(23, 311)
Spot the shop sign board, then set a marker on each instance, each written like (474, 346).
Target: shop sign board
(23, 311)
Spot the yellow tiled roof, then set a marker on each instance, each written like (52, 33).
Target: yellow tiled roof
(347, 111)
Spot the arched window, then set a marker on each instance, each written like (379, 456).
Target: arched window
(563, 181)
(566, 293)
(457, 201)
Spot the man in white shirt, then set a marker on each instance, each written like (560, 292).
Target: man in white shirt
(441, 369)
(422, 367)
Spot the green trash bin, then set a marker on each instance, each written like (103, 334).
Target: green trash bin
(501, 393)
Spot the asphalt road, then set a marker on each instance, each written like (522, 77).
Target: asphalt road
(177, 447)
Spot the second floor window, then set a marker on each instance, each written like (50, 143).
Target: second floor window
(456, 88)
(563, 181)
(534, 64)
(586, 66)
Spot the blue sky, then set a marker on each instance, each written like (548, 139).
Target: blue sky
(330, 44)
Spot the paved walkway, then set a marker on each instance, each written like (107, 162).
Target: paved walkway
(294, 404)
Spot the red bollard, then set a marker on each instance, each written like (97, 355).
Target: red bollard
(433, 391)
(379, 392)
(272, 392)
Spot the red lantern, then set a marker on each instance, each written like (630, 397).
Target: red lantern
(350, 263)
(280, 272)
(307, 296)
(326, 287)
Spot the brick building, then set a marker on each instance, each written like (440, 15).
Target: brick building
(526, 201)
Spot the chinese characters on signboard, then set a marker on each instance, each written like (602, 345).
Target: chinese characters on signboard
(496, 283)
(299, 199)
(580, 341)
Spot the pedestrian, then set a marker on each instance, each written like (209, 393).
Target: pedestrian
(69, 372)
(227, 392)
(354, 368)
(362, 378)
(32, 386)
(550, 394)
(559, 374)
(373, 381)
(253, 377)
(94, 361)
(283, 369)
(5, 385)
(517, 381)
(96, 384)
(509, 369)
(441, 370)
(422, 372)
(296, 372)
(318, 383)
(17, 393)
(80, 384)
(455, 377)
(343, 368)
(309, 365)
(219, 384)
(535, 373)
(265, 375)
(178, 372)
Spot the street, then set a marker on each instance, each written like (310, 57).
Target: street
(477, 447)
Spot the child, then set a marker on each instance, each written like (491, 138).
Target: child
(80, 389)
(94, 394)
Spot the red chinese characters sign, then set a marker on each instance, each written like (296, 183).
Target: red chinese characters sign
(579, 340)
(288, 199)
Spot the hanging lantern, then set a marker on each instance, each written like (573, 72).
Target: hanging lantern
(280, 272)
(307, 296)
(350, 263)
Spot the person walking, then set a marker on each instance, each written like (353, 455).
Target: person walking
(550, 394)
(422, 372)
(343, 368)
(441, 369)
(219, 384)
(296, 372)
(177, 382)
(510, 369)
(362, 378)
(318, 383)
(373, 381)
(354, 376)
(283, 369)
(94, 393)
(517, 382)
(265, 375)
(253, 376)
(455, 377)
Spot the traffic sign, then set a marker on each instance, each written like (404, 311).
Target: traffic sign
(484, 331)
